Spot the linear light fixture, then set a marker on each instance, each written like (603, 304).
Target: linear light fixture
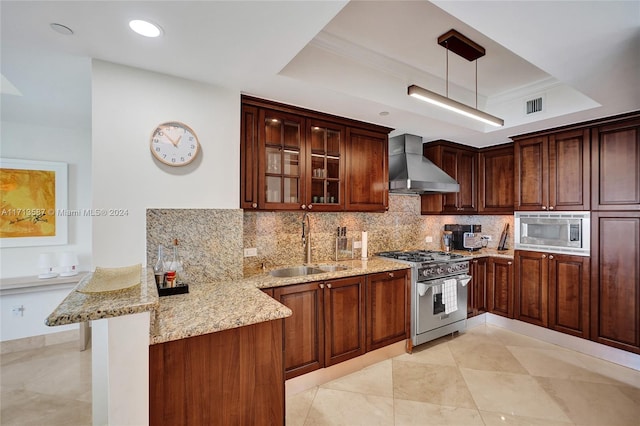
(471, 51)
(447, 103)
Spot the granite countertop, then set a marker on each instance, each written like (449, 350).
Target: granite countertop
(80, 307)
(223, 305)
(207, 308)
(487, 252)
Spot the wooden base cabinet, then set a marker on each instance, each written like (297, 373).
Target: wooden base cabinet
(500, 287)
(388, 307)
(615, 279)
(477, 288)
(327, 325)
(234, 376)
(552, 290)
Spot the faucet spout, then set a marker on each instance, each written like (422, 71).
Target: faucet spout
(306, 237)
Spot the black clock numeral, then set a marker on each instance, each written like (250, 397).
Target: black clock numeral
(193, 147)
(155, 140)
(173, 160)
(190, 138)
(164, 155)
(157, 149)
(189, 154)
(181, 158)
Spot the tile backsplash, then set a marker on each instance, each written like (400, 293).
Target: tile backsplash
(277, 236)
(212, 240)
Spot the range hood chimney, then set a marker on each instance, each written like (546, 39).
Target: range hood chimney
(410, 172)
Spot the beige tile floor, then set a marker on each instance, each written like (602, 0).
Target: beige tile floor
(486, 376)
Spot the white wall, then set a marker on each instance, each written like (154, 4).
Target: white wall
(71, 146)
(127, 105)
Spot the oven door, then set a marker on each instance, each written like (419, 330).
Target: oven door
(438, 305)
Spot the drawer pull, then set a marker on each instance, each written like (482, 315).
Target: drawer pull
(321, 285)
(328, 285)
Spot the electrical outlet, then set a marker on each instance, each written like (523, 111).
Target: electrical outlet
(250, 252)
(357, 244)
(486, 237)
(428, 239)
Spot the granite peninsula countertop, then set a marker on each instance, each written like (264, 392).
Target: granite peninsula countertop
(207, 308)
(223, 305)
(80, 307)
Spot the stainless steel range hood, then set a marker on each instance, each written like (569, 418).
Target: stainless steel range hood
(410, 172)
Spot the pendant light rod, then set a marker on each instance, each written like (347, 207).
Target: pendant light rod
(471, 51)
(444, 102)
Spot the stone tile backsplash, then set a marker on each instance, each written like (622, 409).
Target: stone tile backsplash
(278, 235)
(212, 240)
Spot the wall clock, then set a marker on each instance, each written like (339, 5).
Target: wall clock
(174, 143)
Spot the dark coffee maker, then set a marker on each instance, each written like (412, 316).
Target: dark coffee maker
(458, 234)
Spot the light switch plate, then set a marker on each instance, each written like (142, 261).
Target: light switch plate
(250, 252)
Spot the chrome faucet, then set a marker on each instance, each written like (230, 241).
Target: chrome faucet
(306, 237)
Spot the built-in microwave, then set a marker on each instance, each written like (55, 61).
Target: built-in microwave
(555, 232)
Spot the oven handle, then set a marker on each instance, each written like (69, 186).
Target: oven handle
(462, 279)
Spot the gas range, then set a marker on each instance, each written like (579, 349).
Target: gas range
(429, 264)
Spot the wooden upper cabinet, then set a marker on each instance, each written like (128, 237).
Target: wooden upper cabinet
(461, 164)
(249, 156)
(367, 171)
(296, 159)
(324, 180)
(282, 150)
(495, 180)
(552, 171)
(616, 166)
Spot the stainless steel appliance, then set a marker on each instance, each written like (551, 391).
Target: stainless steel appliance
(410, 172)
(438, 292)
(555, 232)
(459, 236)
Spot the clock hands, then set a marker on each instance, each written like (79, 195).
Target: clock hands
(174, 143)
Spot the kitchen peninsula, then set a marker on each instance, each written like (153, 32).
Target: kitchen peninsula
(207, 350)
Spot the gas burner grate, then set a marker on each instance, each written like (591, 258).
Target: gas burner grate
(421, 256)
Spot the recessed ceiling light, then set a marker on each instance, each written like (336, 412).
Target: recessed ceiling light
(62, 29)
(145, 28)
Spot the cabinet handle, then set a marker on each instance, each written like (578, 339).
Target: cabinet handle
(509, 263)
(550, 207)
(303, 207)
(328, 285)
(321, 285)
(391, 275)
(310, 206)
(254, 205)
(544, 256)
(550, 256)
(544, 207)
(475, 261)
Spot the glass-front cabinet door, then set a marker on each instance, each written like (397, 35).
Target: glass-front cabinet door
(325, 174)
(281, 162)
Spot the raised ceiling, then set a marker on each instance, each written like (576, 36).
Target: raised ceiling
(353, 59)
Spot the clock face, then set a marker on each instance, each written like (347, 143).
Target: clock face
(175, 144)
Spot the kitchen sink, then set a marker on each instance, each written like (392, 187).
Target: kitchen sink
(333, 268)
(296, 271)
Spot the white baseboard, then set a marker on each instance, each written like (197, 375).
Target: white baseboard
(598, 350)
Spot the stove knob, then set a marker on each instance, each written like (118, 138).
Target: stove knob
(439, 270)
(425, 272)
(449, 269)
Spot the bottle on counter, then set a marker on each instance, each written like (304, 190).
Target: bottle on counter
(174, 268)
(158, 268)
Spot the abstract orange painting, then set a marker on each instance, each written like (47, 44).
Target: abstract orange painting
(31, 195)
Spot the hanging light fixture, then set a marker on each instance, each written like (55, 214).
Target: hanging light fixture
(471, 51)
